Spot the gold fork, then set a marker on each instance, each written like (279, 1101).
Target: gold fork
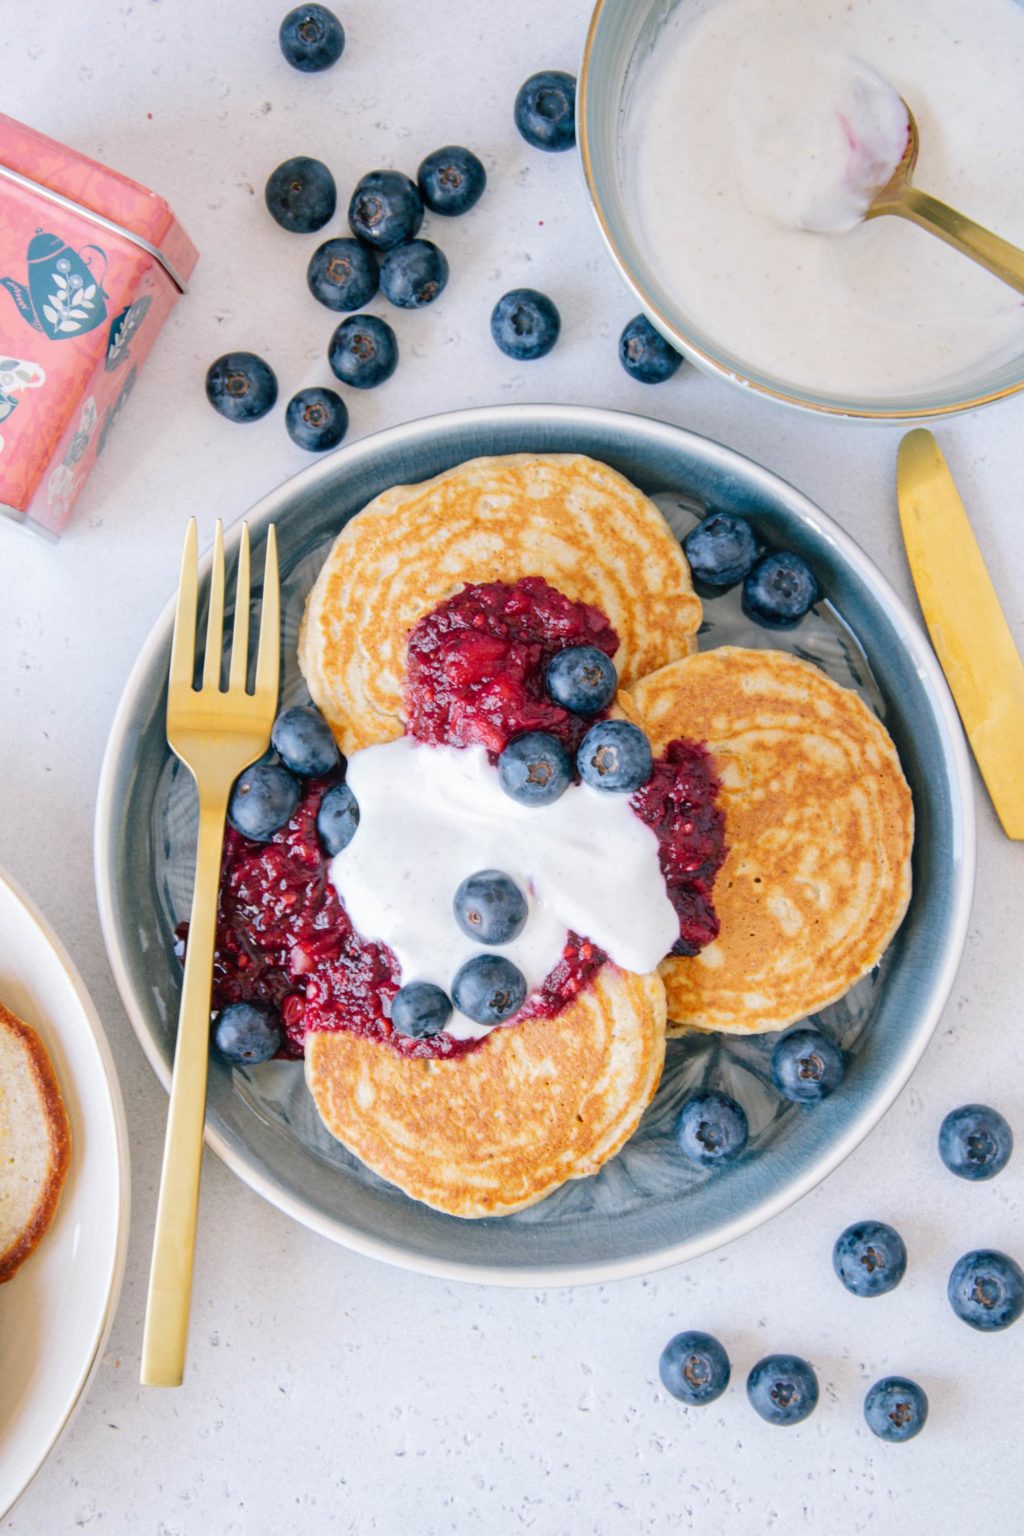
(216, 734)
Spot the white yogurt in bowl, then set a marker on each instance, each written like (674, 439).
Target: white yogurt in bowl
(753, 135)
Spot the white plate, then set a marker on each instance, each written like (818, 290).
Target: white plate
(56, 1313)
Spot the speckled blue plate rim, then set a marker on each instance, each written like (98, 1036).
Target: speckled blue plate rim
(772, 1180)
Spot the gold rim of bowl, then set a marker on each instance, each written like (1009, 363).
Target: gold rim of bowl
(692, 349)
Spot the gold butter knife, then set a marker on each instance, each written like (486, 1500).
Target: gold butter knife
(968, 627)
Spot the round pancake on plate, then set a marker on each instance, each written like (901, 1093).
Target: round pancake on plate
(574, 521)
(498, 1129)
(35, 1142)
(819, 827)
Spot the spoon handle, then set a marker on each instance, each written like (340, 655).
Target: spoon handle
(998, 256)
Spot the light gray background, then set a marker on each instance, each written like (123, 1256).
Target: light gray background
(326, 1392)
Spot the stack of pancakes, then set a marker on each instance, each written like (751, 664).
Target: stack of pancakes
(819, 825)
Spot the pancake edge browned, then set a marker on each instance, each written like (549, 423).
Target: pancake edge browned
(59, 1127)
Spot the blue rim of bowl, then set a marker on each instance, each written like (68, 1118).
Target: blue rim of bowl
(523, 418)
(683, 341)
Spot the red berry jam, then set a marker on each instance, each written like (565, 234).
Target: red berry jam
(476, 665)
(679, 803)
(476, 669)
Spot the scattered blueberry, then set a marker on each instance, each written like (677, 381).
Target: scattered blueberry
(806, 1066)
(694, 1368)
(363, 351)
(490, 907)
(975, 1142)
(263, 799)
(525, 324)
(302, 739)
(241, 386)
(316, 419)
(783, 1389)
(420, 1009)
(712, 1128)
(301, 195)
(489, 989)
(337, 819)
(311, 38)
(385, 209)
(779, 590)
(451, 180)
(870, 1258)
(535, 769)
(615, 755)
(343, 274)
(986, 1289)
(582, 679)
(247, 1032)
(721, 550)
(645, 354)
(896, 1409)
(545, 110)
(414, 274)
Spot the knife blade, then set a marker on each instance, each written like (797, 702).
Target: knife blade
(968, 627)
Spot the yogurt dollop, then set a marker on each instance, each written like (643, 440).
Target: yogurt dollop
(431, 815)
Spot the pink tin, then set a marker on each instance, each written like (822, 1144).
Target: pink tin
(91, 264)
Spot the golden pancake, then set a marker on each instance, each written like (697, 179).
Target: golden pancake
(819, 828)
(496, 1130)
(574, 521)
(35, 1142)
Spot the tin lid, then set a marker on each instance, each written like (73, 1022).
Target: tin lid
(115, 201)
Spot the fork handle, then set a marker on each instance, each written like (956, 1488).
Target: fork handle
(170, 1275)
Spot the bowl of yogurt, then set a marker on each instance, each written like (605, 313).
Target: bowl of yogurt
(731, 149)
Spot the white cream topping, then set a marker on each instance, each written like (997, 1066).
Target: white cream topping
(754, 124)
(430, 816)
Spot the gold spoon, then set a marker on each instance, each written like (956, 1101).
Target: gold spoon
(998, 256)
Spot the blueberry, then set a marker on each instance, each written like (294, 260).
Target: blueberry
(241, 386)
(385, 209)
(645, 354)
(263, 799)
(337, 819)
(451, 180)
(895, 1409)
(311, 38)
(343, 274)
(490, 907)
(582, 679)
(414, 274)
(615, 755)
(870, 1258)
(316, 419)
(712, 1128)
(525, 324)
(489, 989)
(363, 351)
(301, 195)
(420, 1009)
(986, 1289)
(535, 769)
(783, 1389)
(694, 1368)
(975, 1142)
(779, 589)
(247, 1032)
(806, 1066)
(545, 110)
(721, 550)
(302, 739)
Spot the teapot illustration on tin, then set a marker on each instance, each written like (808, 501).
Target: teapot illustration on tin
(64, 297)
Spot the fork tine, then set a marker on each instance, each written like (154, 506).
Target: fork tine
(215, 621)
(240, 636)
(183, 646)
(269, 653)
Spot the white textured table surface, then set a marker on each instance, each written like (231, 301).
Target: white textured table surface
(326, 1392)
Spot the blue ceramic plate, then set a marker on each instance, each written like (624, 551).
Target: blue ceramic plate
(648, 1207)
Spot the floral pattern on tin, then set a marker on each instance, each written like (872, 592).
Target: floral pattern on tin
(112, 412)
(62, 486)
(63, 297)
(16, 374)
(123, 328)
